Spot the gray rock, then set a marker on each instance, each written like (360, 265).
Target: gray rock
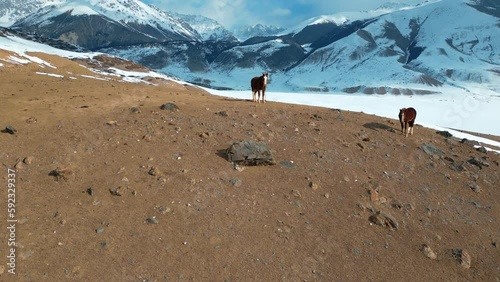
(463, 257)
(288, 164)
(222, 113)
(431, 150)
(470, 142)
(474, 187)
(90, 191)
(170, 107)
(482, 149)
(479, 163)
(384, 220)
(10, 129)
(135, 110)
(152, 220)
(249, 152)
(444, 133)
(235, 182)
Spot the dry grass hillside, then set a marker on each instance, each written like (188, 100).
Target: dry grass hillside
(109, 187)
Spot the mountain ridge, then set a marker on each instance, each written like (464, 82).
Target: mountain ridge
(395, 49)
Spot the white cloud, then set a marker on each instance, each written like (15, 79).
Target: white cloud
(231, 13)
(282, 12)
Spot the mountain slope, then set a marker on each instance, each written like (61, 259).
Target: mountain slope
(114, 188)
(13, 10)
(424, 45)
(97, 24)
(209, 29)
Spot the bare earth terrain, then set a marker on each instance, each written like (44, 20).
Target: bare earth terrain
(109, 187)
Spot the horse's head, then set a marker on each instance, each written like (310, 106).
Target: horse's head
(265, 76)
(402, 114)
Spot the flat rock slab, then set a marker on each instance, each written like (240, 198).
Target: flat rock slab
(250, 153)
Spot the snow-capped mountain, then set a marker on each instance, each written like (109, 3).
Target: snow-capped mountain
(246, 32)
(209, 29)
(404, 50)
(417, 48)
(13, 10)
(394, 49)
(95, 23)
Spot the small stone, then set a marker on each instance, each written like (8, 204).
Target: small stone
(28, 160)
(90, 191)
(474, 187)
(99, 230)
(479, 163)
(482, 150)
(239, 167)
(135, 110)
(428, 252)
(31, 120)
(164, 210)
(170, 107)
(222, 113)
(374, 196)
(112, 123)
(384, 220)
(152, 220)
(327, 195)
(236, 182)
(153, 171)
(117, 192)
(314, 185)
(446, 134)
(10, 129)
(463, 257)
(19, 165)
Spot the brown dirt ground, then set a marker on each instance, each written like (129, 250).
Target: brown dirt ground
(304, 219)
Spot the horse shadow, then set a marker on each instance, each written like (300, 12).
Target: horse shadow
(378, 126)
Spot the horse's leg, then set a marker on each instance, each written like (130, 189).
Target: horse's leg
(411, 126)
(258, 99)
(402, 127)
(263, 95)
(406, 128)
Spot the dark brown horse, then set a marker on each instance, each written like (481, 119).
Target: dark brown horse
(259, 84)
(407, 118)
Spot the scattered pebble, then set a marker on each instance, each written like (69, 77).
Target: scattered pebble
(384, 220)
(28, 160)
(152, 220)
(463, 257)
(116, 192)
(90, 191)
(428, 252)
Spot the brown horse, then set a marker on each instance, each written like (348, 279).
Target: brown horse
(407, 118)
(259, 84)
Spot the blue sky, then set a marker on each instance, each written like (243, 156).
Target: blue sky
(284, 13)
